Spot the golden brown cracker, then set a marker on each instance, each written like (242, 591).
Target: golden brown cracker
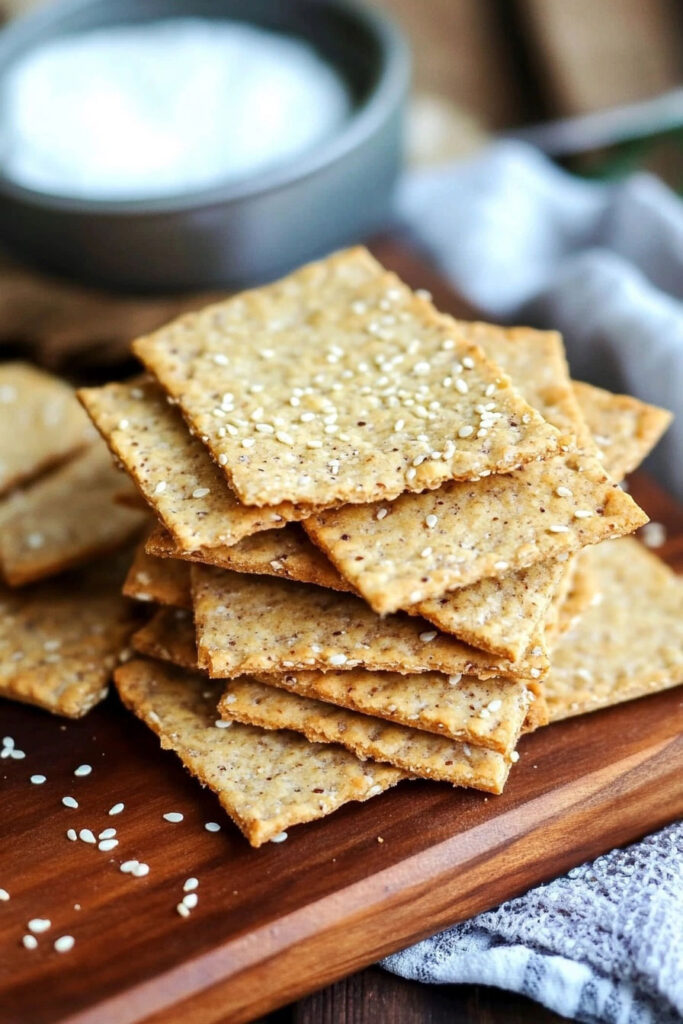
(159, 580)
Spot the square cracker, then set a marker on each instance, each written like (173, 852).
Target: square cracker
(41, 423)
(60, 640)
(266, 781)
(160, 580)
(318, 389)
(421, 754)
(65, 519)
(627, 644)
(624, 428)
(173, 470)
(250, 624)
(484, 713)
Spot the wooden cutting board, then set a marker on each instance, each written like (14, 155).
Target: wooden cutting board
(275, 923)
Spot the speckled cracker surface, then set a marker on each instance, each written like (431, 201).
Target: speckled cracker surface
(41, 423)
(286, 554)
(419, 546)
(341, 385)
(173, 469)
(421, 754)
(626, 645)
(624, 428)
(169, 636)
(483, 529)
(65, 519)
(60, 640)
(249, 624)
(485, 713)
(159, 580)
(266, 781)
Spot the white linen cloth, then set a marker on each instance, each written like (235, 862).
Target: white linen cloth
(527, 243)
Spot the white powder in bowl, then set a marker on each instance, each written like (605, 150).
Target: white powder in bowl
(163, 108)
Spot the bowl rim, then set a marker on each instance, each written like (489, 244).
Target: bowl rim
(389, 90)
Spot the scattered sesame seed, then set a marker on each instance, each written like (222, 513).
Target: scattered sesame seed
(455, 679)
(83, 770)
(201, 492)
(140, 869)
(116, 809)
(431, 521)
(653, 535)
(467, 750)
(490, 390)
(190, 884)
(72, 834)
(107, 833)
(86, 835)
(422, 293)
(283, 437)
(426, 552)
(173, 816)
(4, 895)
(465, 431)
(500, 566)
(558, 528)
(495, 705)
(337, 659)
(582, 513)
(415, 596)
(160, 487)
(30, 942)
(248, 442)
(468, 362)
(222, 459)
(564, 492)
(191, 899)
(128, 865)
(514, 756)
(220, 723)
(69, 801)
(38, 925)
(38, 780)
(183, 910)
(64, 943)
(124, 424)
(107, 844)
(381, 513)
(279, 838)
(411, 474)
(428, 636)
(212, 826)
(220, 359)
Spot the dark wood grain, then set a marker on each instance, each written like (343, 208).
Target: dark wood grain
(279, 922)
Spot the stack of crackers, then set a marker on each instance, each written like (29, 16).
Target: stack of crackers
(383, 543)
(59, 637)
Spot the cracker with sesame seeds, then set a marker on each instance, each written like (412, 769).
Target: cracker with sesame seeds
(485, 713)
(173, 470)
(41, 423)
(60, 640)
(419, 546)
(341, 385)
(287, 554)
(624, 428)
(168, 636)
(159, 580)
(628, 644)
(249, 624)
(419, 753)
(65, 519)
(266, 781)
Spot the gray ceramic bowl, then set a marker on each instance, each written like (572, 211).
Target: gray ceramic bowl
(241, 233)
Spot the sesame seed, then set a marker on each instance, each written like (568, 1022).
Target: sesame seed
(116, 809)
(220, 723)
(64, 943)
(128, 865)
(191, 899)
(38, 780)
(431, 521)
(500, 566)
(30, 942)
(564, 492)
(337, 659)
(461, 386)
(160, 487)
(190, 884)
(558, 528)
(4, 895)
(183, 910)
(428, 636)
(279, 838)
(107, 833)
(173, 816)
(38, 925)
(495, 705)
(468, 362)
(411, 474)
(415, 596)
(72, 834)
(381, 513)
(86, 835)
(490, 390)
(653, 535)
(426, 552)
(212, 826)
(69, 801)
(124, 424)
(83, 770)
(284, 438)
(220, 359)
(140, 870)
(466, 431)
(582, 513)
(455, 679)
(514, 757)
(248, 442)
(107, 844)
(534, 672)
(422, 293)
(201, 492)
